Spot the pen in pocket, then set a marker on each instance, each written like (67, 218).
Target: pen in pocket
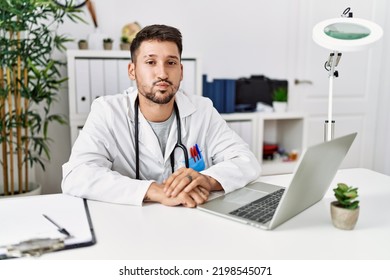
(196, 161)
(199, 154)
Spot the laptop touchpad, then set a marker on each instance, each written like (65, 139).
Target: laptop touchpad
(243, 196)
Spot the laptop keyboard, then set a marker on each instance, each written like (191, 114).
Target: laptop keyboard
(260, 210)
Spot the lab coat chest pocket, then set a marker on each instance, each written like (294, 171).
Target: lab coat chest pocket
(195, 158)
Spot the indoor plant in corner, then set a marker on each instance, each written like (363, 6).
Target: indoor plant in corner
(345, 211)
(29, 83)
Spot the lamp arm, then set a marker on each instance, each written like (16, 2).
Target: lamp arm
(332, 62)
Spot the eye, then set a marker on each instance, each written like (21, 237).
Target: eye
(150, 62)
(172, 62)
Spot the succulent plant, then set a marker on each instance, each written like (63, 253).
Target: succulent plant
(346, 196)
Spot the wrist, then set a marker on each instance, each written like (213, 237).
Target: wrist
(154, 193)
(215, 185)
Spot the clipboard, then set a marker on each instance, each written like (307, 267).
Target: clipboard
(26, 229)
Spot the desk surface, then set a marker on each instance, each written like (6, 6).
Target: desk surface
(158, 232)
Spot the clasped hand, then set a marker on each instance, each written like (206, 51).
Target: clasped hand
(185, 187)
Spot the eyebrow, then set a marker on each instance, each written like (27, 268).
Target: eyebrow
(154, 55)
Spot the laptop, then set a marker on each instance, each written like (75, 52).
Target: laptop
(267, 206)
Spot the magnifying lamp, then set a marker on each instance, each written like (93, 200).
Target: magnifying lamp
(344, 34)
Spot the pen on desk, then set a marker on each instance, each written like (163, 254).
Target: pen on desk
(60, 229)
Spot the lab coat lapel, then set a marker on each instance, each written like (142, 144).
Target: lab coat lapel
(186, 109)
(172, 139)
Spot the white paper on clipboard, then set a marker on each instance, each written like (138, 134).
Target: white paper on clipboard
(22, 219)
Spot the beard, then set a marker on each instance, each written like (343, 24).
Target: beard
(161, 96)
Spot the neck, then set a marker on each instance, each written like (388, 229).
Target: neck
(155, 112)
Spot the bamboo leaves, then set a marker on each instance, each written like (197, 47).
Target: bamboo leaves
(30, 80)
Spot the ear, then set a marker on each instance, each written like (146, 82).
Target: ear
(131, 70)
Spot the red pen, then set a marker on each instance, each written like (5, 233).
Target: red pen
(192, 153)
(195, 153)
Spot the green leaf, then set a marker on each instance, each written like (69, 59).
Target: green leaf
(346, 196)
(343, 187)
(38, 22)
(351, 194)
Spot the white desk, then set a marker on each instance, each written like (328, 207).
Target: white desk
(158, 232)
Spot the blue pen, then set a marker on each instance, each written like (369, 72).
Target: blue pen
(197, 149)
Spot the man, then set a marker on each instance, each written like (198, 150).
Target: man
(128, 149)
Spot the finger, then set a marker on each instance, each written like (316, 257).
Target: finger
(204, 191)
(200, 181)
(198, 196)
(183, 199)
(171, 202)
(204, 194)
(180, 181)
(184, 182)
(187, 200)
(172, 178)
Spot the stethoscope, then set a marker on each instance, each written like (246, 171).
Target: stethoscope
(179, 144)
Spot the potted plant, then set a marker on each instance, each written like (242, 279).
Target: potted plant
(279, 99)
(29, 83)
(125, 44)
(107, 43)
(345, 211)
(83, 44)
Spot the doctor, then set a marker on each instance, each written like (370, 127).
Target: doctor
(154, 142)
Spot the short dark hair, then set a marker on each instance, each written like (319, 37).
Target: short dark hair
(157, 32)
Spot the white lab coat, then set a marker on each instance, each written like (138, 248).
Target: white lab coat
(102, 162)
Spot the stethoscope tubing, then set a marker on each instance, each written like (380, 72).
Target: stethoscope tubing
(178, 144)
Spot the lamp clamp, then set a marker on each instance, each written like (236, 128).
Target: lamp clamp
(347, 13)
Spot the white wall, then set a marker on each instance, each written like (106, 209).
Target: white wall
(382, 149)
(233, 38)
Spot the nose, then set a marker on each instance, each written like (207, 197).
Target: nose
(162, 72)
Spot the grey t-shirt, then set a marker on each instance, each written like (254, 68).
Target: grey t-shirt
(161, 129)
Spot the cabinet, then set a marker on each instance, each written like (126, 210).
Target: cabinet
(288, 130)
(97, 73)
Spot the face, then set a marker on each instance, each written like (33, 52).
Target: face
(157, 70)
